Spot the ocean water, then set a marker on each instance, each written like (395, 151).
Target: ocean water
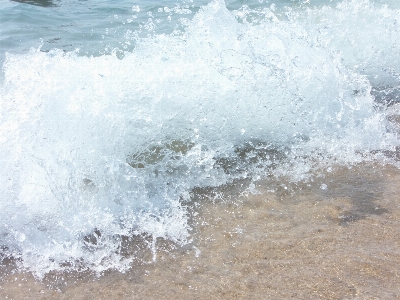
(116, 115)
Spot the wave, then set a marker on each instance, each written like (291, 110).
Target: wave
(97, 150)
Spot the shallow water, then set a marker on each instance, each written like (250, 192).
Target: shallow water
(309, 241)
(127, 116)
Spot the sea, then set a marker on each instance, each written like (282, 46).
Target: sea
(119, 118)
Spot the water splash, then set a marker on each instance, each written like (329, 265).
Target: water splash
(99, 149)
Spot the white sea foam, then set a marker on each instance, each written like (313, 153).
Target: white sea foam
(96, 148)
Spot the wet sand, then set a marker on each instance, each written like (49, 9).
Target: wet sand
(337, 237)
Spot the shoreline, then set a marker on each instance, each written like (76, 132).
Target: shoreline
(334, 238)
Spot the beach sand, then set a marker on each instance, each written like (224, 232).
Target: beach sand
(337, 237)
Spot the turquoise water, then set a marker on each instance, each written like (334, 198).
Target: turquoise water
(98, 27)
(94, 27)
(114, 113)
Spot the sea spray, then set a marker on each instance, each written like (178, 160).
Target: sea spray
(97, 150)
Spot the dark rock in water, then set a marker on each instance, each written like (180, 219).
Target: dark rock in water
(43, 3)
(386, 95)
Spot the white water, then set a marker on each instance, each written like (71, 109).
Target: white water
(104, 148)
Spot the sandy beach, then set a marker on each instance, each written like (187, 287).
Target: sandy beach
(202, 149)
(336, 237)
